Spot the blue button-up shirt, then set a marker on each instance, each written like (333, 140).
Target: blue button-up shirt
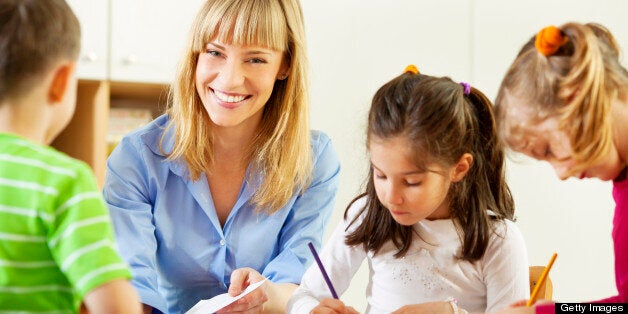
(168, 230)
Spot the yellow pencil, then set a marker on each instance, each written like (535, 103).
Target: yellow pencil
(541, 281)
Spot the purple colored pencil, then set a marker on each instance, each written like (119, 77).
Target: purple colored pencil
(320, 266)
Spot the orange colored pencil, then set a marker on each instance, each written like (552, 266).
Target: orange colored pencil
(541, 281)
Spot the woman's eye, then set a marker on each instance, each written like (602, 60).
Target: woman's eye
(412, 183)
(212, 52)
(257, 60)
(380, 176)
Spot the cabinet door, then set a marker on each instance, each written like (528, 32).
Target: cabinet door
(93, 16)
(147, 38)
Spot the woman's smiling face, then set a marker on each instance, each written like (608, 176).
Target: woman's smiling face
(235, 82)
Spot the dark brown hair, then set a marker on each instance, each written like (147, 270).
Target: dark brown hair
(442, 124)
(34, 34)
(577, 84)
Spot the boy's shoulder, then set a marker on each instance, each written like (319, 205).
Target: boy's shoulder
(23, 154)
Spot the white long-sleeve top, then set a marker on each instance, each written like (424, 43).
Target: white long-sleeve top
(430, 270)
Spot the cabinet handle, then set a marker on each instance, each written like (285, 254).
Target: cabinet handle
(130, 59)
(90, 57)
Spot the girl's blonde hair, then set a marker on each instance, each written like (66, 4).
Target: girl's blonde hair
(576, 83)
(281, 150)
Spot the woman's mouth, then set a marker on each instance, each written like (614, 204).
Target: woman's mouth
(229, 98)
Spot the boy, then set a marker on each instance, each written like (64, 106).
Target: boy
(56, 244)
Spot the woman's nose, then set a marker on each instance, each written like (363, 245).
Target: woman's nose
(232, 74)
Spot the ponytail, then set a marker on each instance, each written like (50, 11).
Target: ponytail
(572, 73)
(484, 187)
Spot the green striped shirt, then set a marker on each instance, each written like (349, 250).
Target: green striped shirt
(56, 241)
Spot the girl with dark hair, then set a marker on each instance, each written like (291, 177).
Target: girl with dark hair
(436, 219)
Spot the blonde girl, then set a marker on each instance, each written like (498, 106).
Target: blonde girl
(564, 100)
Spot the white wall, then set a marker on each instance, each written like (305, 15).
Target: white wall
(355, 46)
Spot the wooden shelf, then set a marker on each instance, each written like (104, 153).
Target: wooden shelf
(85, 136)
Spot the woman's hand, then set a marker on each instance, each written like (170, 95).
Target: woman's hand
(254, 301)
(333, 306)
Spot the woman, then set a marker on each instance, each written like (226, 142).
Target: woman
(229, 186)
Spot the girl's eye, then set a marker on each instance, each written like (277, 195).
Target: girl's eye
(380, 176)
(548, 152)
(413, 183)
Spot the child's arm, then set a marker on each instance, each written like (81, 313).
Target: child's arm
(341, 263)
(443, 307)
(333, 306)
(505, 267)
(114, 297)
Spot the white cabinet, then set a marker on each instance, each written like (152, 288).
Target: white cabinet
(147, 38)
(93, 16)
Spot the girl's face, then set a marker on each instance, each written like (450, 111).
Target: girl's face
(409, 193)
(544, 141)
(235, 82)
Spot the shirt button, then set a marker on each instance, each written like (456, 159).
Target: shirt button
(222, 242)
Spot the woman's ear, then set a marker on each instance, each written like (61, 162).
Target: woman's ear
(462, 167)
(60, 82)
(284, 70)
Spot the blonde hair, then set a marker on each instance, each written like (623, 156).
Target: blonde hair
(281, 150)
(577, 84)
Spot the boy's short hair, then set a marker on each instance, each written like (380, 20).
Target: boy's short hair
(34, 34)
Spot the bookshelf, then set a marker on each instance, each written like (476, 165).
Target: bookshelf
(86, 135)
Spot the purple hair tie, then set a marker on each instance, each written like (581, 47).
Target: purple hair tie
(467, 88)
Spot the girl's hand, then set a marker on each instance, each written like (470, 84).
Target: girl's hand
(252, 302)
(428, 307)
(333, 306)
(519, 307)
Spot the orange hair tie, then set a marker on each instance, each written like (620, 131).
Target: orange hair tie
(411, 69)
(549, 40)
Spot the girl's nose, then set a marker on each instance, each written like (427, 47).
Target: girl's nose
(394, 196)
(562, 170)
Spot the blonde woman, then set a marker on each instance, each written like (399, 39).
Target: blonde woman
(229, 186)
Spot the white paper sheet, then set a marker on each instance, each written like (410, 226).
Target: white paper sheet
(218, 302)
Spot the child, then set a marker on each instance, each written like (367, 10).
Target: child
(435, 221)
(233, 161)
(56, 243)
(565, 100)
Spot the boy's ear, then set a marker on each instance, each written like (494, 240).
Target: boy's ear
(60, 82)
(462, 167)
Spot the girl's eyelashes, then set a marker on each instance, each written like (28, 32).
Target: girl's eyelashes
(380, 176)
(548, 152)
